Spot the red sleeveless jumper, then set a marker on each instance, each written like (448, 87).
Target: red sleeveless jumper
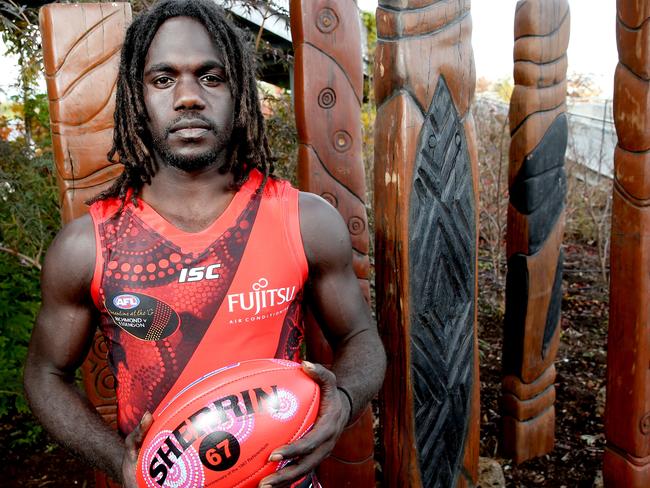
(176, 305)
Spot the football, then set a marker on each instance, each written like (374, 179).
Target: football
(220, 430)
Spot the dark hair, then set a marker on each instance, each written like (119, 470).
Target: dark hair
(249, 147)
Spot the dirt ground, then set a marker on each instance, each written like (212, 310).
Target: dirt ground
(581, 364)
(50, 466)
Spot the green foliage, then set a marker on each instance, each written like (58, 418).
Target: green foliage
(19, 302)
(281, 132)
(32, 110)
(368, 116)
(20, 34)
(504, 88)
(29, 218)
(370, 23)
(29, 215)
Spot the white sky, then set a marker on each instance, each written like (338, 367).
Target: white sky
(592, 49)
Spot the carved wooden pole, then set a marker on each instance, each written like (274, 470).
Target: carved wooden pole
(537, 184)
(328, 90)
(426, 241)
(81, 51)
(627, 413)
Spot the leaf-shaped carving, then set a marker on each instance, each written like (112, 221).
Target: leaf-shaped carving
(442, 275)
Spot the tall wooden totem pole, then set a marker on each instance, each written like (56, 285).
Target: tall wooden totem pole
(537, 184)
(81, 51)
(328, 91)
(627, 414)
(426, 242)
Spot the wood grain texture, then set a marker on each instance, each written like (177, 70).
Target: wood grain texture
(537, 186)
(81, 45)
(425, 232)
(627, 412)
(328, 90)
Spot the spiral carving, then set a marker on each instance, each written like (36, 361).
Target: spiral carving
(356, 225)
(327, 20)
(327, 98)
(645, 424)
(331, 199)
(342, 141)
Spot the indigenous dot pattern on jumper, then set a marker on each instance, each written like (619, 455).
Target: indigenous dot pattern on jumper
(140, 260)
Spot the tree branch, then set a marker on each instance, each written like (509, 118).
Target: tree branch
(31, 261)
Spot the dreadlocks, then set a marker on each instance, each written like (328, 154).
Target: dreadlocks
(132, 140)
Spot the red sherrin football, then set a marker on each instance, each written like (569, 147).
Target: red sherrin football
(220, 430)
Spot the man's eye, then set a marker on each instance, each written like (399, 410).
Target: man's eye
(162, 81)
(212, 79)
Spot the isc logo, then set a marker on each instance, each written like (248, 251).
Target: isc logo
(199, 273)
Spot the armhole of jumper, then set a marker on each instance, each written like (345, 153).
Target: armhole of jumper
(98, 272)
(291, 213)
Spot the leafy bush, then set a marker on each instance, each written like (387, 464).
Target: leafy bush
(281, 132)
(29, 219)
(19, 302)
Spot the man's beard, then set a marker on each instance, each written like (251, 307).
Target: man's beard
(196, 161)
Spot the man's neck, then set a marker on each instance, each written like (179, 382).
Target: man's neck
(189, 200)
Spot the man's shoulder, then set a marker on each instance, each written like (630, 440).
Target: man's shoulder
(71, 257)
(316, 207)
(325, 236)
(76, 233)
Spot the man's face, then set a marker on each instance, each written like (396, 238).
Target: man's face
(187, 96)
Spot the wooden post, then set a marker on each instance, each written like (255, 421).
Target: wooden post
(537, 184)
(81, 53)
(426, 242)
(627, 412)
(328, 91)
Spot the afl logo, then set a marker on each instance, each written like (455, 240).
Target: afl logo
(126, 302)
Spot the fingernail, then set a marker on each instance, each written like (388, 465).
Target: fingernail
(275, 457)
(265, 486)
(308, 365)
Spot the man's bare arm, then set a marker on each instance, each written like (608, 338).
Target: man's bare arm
(334, 295)
(336, 300)
(60, 342)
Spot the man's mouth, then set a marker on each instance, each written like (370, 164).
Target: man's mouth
(190, 132)
(190, 128)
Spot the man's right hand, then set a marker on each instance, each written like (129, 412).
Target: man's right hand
(132, 445)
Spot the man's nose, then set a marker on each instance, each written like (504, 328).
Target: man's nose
(188, 94)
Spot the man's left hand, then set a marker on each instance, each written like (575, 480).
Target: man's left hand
(316, 445)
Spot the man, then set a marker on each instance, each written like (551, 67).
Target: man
(196, 257)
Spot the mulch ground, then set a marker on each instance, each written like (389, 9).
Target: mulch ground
(45, 465)
(581, 365)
